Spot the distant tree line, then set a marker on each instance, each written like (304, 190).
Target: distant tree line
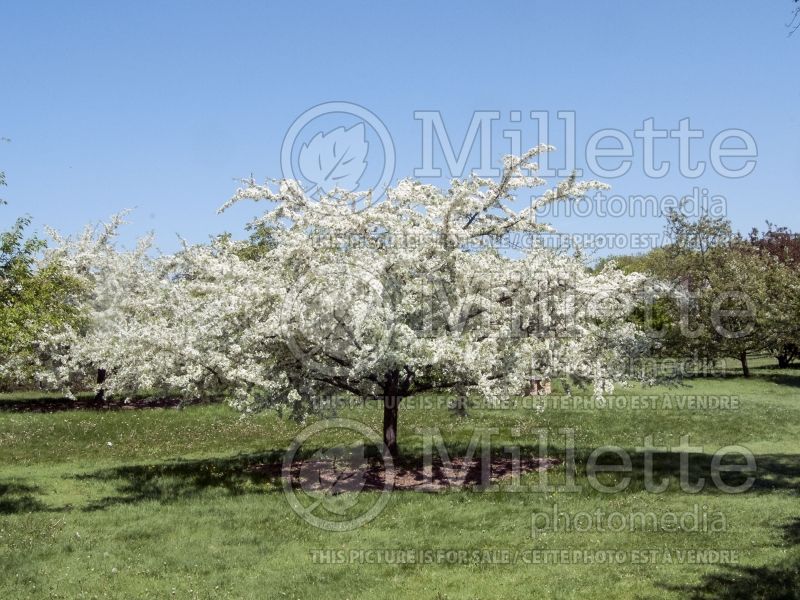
(733, 295)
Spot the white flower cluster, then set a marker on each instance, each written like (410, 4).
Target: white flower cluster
(395, 297)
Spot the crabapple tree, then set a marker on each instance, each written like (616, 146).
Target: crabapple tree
(424, 290)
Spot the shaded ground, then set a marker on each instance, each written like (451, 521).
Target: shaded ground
(337, 476)
(769, 582)
(323, 470)
(49, 404)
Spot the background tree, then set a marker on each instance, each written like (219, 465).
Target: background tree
(731, 296)
(32, 302)
(783, 246)
(696, 263)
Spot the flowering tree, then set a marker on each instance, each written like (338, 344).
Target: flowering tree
(156, 323)
(426, 290)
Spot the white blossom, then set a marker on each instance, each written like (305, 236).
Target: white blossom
(398, 296)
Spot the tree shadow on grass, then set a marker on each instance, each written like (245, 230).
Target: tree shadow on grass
(791, 532)
(167, 482)
(789, 379)
(48, 404)
(262, 473)
(17, 497)
(770, 582)
(781, 582)
(788, 376)
(773, 471)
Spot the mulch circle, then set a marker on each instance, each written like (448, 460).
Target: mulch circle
(338, 476)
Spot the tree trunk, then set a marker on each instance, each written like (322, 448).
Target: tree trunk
(783, 361)
(100, 396)
(459, 406)
(395, 389)
(391, 404)
(745, 368)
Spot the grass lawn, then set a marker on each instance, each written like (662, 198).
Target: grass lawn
(161, 502)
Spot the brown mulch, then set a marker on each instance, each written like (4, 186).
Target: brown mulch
(335, 477)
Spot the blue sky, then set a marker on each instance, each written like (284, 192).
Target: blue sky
(161, 106)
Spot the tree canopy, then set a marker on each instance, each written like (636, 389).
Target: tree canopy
(382, 298)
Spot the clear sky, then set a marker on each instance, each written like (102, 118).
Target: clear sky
(161, 106)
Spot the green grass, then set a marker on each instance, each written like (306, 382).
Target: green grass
(171, 508)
